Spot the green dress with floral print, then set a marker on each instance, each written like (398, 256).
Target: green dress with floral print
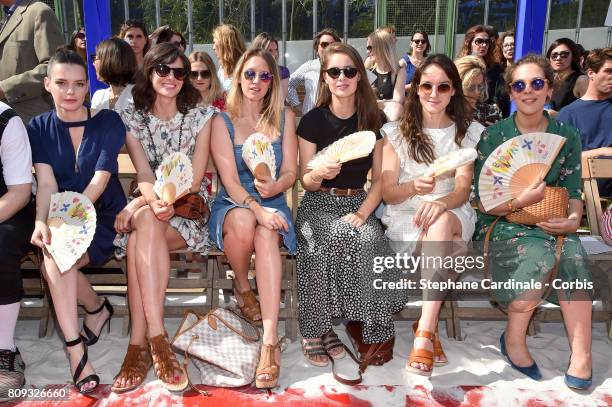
(521, 252)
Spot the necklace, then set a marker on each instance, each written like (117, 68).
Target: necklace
(157, 161)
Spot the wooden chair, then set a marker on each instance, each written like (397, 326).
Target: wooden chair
(35, 304)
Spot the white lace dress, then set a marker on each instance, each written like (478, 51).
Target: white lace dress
(398, 218)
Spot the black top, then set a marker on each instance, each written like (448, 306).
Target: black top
(321, 127)
(564, 94)
(495, 77)
(384, 84)
(502, 95)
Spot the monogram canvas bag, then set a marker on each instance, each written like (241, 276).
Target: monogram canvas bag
(223, 346)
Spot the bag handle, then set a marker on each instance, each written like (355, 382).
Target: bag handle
(553, 272)
(367, 358)
(231, 327)
(186, 361)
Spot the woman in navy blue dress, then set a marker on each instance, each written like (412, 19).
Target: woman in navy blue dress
(75, 149)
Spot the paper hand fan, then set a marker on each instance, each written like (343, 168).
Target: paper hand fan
(72, 221)
(174, 177)
(351, 147)
(515, 165)
(258, 154)
(452, 161)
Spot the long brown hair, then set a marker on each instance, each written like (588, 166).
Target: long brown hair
(272, 104)
(215, 91)
(489, 58)
(368, 116)
(420, 146)
(231, 47)
(499, 50)
(143, 92)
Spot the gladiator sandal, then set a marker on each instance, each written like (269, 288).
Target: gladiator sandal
(135, 367)
(167, 368)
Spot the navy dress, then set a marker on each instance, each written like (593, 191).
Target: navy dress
(223, 203)
(103, 136)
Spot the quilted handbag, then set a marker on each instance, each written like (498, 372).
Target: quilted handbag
(222, 345)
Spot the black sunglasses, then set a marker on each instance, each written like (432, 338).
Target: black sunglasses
(163, 70)
(205, 74)
(80, 36)
(419, 42)
(369, 48)
(562, 55)
(324, 44)
(520, 85)
(481, 41)
(349, 72)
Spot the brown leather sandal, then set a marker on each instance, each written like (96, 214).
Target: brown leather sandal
(268, 366)
(437, 345)
(248, 304)
(420, 355)
(166, 366)
(135, 368)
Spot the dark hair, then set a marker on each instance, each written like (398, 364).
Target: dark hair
(64, 55)
(573, 49)
(499, 50)
(325, 31)
(165, 34)
(467, 44)
(368, 118)
(143, 92)
(117, 62)
(597, 58)
(73, 37)
(136, 24)
(420, 146)
(426, 37)
(538, 60)
(263, 41)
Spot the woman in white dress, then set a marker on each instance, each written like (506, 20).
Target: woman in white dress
(115, 65)
(425, 213)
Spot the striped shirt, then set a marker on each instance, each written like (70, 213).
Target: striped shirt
(307, 75)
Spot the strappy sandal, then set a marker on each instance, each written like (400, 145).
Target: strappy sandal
(437, 346)
(80, 385)
(135, 367)
(165, 364)
(314, 347)
(420, 355)
(90, 338)
(268, 366)
(248, 304)
(331, 342)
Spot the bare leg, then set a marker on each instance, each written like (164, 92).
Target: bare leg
(577, 317)
(519, 315)
(238, 235)
(88, 298)
(63, 288)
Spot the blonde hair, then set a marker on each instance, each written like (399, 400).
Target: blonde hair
(384, 51)
(215, 91)
(469, 67)
(231, 46)
(272, 105)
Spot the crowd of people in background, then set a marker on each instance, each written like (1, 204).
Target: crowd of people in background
(420, 106)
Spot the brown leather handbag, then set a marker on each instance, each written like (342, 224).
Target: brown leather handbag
(376, 354)
(192, 206)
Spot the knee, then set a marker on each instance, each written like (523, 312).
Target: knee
(145, 217)
(265, 236)
(520, 306)
(241, 233)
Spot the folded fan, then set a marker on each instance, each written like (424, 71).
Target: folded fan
(351, 147)
(452, 161)
(515, 165)
(258, 154)
(174, 177)
(72, 221)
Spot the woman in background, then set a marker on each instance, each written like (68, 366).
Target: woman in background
(472, 73)
(269, 43)
(204, 78)
(419, 48)
(570, 83)
(134, 33)
(78, 43)
(229, 46)
(505, 57)
(116, 66)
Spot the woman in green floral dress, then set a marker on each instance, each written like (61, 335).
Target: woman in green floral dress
(523, 253)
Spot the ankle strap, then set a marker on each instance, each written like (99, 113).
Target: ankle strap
(74, 342)
(424, 334)
(99, 308)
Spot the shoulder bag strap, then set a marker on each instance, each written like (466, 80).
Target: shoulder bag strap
(5, 117)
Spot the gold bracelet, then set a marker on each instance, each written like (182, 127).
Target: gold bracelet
(510, 207)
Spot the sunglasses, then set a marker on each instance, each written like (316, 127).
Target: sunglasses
(369, 48)
(419, 42)
(80, 36)
(520, 85)
(481, 41)
(562, 55)
(163, 70)
(442, 87)
(349, 72)
(475, 88)
(205, 74)
(324, 44)
(264, 76)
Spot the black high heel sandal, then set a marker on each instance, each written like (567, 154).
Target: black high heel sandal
(90, 338)
(91, 378)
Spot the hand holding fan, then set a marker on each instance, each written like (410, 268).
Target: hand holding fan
(174, 177)
(351, 147)
(72, 221)
(515, 165)
(452, 161)
(258, 154)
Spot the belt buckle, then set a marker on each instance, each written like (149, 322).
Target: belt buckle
(332, 191)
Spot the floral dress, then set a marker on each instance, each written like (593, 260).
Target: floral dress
(521, 252)
(160, 138)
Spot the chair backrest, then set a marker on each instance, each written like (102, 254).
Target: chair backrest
(594, 169)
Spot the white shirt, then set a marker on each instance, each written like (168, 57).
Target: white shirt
(101, 99)
(308, 75)
(15, 152)
(226, 83)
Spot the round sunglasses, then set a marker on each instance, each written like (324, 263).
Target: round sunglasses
(349, 72)
(481, 41)
(264, 76)
(443, 88)
(204, 74)
(520, 85)
(163, 70)
(561, 55)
